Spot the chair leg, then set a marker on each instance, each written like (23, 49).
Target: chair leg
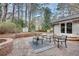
(54, 41)
(33, 41)
(58, 44)
(42, 41)
(65, 45)
(61, 43)
(50, 40)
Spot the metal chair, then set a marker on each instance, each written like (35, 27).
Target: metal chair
(54, 38)
(49, 37)
(62, 39)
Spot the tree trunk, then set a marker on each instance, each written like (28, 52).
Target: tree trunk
(29, 15)
(13, 11)
(4, 11)
(26, 14)
(0, 10)
(18, 11)
(22, 11)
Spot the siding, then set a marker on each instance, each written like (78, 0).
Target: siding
(57, 29)
(75, 28)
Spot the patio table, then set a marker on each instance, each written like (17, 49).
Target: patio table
(38, 38)
(47, 36)
(41, 38)
(44, 35)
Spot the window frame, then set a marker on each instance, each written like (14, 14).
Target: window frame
(69, 27)
(63, 28)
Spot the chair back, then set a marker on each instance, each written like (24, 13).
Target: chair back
(64, 37)
(55, 36)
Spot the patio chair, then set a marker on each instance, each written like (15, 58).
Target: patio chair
(49, 37)
(54, 38)
(61, 39)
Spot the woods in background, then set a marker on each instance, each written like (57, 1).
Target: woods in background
(35, 15)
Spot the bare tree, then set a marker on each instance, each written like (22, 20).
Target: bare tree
(0, 10)
(13, 12)
(26, 14)
(18, 11)
(4, 11)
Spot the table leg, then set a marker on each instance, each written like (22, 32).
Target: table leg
(65, 45)
(50, 40)
(58, 43)
(42, 41)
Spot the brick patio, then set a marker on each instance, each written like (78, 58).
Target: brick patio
(22, 48)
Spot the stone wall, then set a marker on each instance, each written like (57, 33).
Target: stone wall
(6, 47)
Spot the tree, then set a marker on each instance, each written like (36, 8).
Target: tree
(32, 9)
(0, 10)
(61, 9)
(21, 5)
(26, 12)
(18, 11)
(75, 7)
(13, 12)
(4, 11)
(47, 20)
(29, 15)
(32, 26)
(67, 9)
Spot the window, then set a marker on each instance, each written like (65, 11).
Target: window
(69, 27)
(62, 28)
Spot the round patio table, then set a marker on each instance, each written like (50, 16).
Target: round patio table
(38, 38)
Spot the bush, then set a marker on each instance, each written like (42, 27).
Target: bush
(40, 31)
(19, 22)
(9, 27)
(18, 28)
(32, 26)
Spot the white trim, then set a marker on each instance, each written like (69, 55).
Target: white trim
(65, 27)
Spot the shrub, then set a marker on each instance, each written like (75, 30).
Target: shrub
(19, 22)
(18, 28)
(9, 27)
(32, 26)
(40, 31)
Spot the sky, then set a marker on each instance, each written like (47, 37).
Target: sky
(53, 7)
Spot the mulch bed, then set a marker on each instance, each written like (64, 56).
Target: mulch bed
(7, 35)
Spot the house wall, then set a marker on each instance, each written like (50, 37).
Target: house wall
(57, 29)
(75, 28)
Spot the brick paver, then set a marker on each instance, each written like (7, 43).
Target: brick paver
(22, 48)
